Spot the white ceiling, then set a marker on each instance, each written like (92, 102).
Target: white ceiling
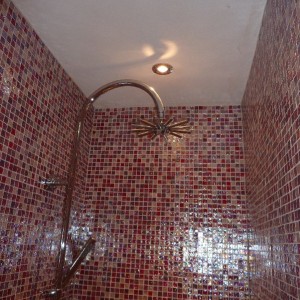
(210, 44)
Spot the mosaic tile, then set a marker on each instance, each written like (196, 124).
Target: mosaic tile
(164, 207)
(271, 115)
(170, 219)
(38, 108)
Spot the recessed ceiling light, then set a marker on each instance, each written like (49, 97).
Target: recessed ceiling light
(162, 69)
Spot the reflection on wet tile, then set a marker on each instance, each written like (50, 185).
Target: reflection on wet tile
(38, 108)
(170, 219)
(271, 117)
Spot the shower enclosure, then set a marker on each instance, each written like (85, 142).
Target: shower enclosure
(170, 220)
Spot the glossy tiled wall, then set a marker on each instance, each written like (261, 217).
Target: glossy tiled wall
(170, 220)
(38, 107)
(271, 113)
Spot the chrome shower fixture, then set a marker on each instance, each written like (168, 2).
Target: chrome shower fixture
(144, 128)
(160, 128)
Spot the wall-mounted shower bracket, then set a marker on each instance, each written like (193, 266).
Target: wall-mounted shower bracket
(52, 294)
(53, 181)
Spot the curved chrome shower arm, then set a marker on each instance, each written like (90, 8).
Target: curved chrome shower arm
(130, 82)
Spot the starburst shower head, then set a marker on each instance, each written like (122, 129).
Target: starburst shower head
(158, 127)
(155, 128)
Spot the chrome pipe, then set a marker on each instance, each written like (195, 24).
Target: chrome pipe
(78, 260)
(52, 182)
(135, 83)
(74, 162)
(69, 195)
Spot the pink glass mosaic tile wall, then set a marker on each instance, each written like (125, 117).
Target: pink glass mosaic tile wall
(170, 220)
(271, 113)
(38, 107)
